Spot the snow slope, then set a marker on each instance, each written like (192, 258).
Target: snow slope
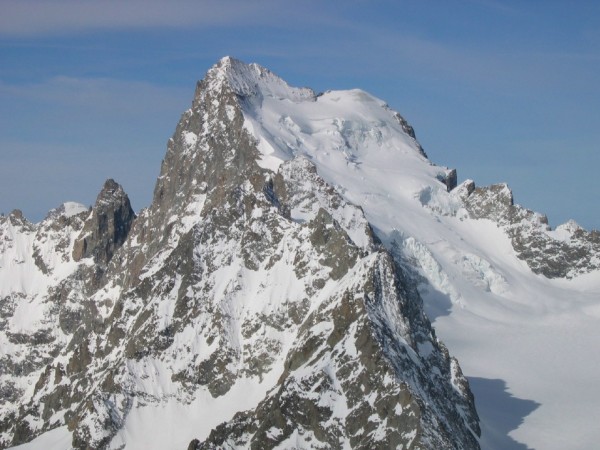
(526, 342)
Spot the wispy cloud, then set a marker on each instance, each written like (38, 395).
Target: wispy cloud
(41, 17)
(97, 94)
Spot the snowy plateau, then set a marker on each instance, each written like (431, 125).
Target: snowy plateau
(304, 278)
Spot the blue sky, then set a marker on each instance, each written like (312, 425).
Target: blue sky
(504, 91)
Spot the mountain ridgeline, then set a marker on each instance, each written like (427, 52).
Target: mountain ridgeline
(267, 298)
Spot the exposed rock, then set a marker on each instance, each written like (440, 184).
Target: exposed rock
(238, 282)
(194, 445)
(463, 190)
(408, 129)
(340, 369)
(531, 236)
(107, 227)
(449, 178)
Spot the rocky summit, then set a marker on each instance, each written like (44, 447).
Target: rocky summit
(269, 297)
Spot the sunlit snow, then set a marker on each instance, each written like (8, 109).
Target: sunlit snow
(498, 318)
(527, 343)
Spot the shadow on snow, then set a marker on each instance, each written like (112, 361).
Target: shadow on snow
(436, 303)
(499, 413)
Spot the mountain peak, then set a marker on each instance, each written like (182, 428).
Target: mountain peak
(248, 80)
(107, 227)
(274, 292)
(109, 188)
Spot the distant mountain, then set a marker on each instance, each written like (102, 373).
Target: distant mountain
(271, 294)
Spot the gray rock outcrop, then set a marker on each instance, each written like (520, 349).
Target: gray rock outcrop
(107, 227)
(530, 234)
(234, 276)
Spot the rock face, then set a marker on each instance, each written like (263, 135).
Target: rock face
(566, 252)
(263, 293)
(410, 131)
(449, 178)
(574, 252)
(107, 227)
(255, 303)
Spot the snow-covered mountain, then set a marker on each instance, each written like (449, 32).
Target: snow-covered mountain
(278, 293)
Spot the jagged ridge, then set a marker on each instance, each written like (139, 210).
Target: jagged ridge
(191, 263)
(268, 293)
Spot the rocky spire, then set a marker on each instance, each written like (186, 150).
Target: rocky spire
(107, 227)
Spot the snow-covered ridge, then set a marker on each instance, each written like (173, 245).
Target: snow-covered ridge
(565, 231)
(360, 149)
(252, 79)
(218, 293)
(68, 209)
(369, 153)
(343, 132)
(242, 274)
